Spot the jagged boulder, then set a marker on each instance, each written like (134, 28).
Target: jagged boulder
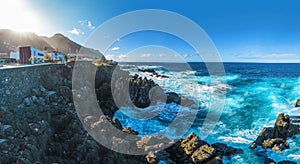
(194, 150)
(275, 137)
(173, 97)
(204, 154)
(297, 103)
(139, 89)
(277, 144)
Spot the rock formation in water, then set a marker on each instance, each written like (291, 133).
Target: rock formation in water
(275, 137)
(193, 150)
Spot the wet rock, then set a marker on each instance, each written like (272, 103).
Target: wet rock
(297, 103)
(287, 162)
(277, 144)
(118, 124)
(151, 158)
(192, 143)
(177, 153)
(129, 131)
(204, 154)
(194, 150)
(216, 160)
(281, 127)
(275, 137)
(173, 97)
(224, 150)
(139, 89)
(265, 134)
(269, 161)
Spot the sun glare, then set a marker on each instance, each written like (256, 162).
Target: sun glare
(15, 15)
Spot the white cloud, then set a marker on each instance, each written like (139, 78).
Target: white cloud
(115, 48)
(76, 31)
(90, 25)
(82, 22)
(110, 57)
(146, 55)
(87, 24)
(161, 55)
(121, 57)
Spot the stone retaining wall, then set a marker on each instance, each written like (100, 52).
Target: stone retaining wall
(16, 83)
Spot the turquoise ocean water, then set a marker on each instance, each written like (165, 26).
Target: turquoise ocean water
(255, 94)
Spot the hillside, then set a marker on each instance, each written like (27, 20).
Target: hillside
(11, 40)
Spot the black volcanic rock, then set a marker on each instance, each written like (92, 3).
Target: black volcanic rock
(173, 97)
(224, 150)
(139, 91)
(194, 150)
(275, 138)
(269, 161)
(297, 103)
(287, 162)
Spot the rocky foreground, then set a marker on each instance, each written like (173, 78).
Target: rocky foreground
(45, 127)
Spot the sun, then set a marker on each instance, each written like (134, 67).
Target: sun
(15, 15)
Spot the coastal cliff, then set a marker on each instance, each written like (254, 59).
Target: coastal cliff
(39, 122)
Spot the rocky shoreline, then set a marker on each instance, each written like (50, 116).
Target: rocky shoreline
(45, 128)
(275, 137)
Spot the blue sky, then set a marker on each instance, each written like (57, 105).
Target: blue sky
(242, 31)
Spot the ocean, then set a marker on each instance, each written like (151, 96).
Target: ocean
(255, 93)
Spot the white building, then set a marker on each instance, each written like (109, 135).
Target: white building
(15, 55)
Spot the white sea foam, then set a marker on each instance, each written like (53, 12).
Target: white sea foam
(239, 140)
(232, 77)
(294, 156)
